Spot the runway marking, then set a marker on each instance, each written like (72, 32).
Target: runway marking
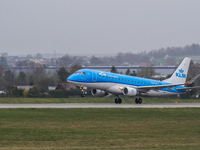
(102, 105)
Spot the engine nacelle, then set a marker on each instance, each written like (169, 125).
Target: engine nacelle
(130, 91)
(98, 93)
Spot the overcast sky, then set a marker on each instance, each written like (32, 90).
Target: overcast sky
(97, 26)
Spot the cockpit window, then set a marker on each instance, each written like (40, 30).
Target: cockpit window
(80, 72)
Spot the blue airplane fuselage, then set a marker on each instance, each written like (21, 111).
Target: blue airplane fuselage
(114, 83)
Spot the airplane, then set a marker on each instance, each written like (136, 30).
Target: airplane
(106, 83)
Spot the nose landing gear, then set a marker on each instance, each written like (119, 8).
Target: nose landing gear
(83, 89)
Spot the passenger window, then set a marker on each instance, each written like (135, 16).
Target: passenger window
(77, 72)
(80, 72)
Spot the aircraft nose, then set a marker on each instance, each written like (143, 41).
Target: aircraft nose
(69, 78)
(72, 78)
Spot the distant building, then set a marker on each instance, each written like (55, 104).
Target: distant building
(24, 87)
(2, 92)
(65, 86)
(50, 88)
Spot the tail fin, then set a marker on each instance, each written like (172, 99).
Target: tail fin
(180, 74)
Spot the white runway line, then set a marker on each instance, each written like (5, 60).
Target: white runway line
(102, 105)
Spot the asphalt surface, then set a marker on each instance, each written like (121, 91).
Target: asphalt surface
(102, 105)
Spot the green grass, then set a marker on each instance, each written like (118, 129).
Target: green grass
(93, 100)
(111, 129)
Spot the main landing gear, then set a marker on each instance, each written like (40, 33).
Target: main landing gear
(138, 100)
(118, 100)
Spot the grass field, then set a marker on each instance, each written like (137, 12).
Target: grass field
(94, 100)
(95, 129)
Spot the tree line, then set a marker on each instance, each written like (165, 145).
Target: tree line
(163, 56)
(38, 77)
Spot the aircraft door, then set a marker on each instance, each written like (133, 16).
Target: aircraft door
(94, 76)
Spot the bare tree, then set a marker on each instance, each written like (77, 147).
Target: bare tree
(74, 68)
(146, 72)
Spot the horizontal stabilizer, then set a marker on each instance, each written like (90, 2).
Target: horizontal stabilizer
(193, 79)
(188, 88)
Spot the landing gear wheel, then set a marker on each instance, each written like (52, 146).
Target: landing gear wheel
(82, 95)
(138, 100)
(118, 100)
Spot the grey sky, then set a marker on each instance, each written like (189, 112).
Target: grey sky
(97, 26)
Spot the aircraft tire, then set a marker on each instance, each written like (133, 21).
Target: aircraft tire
(140, 101)
(118, 100)
(136, 101)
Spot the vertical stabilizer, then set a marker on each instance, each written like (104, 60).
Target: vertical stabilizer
(180, 74)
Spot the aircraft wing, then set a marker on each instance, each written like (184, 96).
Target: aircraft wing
(145, 89)
(156, 87)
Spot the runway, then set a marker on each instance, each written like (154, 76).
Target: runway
(102, 105)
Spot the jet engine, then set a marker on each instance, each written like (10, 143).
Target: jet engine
(98, 93)
(130, 91)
